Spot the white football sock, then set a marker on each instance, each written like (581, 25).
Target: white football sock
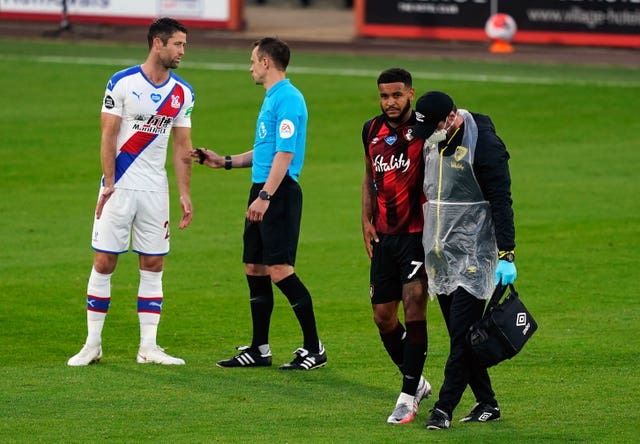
(98, 301)
(149, 306)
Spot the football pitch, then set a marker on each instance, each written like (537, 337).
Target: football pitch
(573, 135)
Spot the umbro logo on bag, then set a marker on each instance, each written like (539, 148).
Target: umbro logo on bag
(521, 321)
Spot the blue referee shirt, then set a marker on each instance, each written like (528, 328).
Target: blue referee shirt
(281, 126)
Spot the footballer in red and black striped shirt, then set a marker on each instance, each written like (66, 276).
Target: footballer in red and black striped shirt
(392, 224)
(397, 170)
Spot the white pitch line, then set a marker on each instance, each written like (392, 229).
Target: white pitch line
(345, 72)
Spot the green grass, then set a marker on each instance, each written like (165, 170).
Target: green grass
(573, 137)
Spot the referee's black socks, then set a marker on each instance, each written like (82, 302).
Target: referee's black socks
(261, 301)
(300, 301)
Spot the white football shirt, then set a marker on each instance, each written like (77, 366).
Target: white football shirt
(148, 113)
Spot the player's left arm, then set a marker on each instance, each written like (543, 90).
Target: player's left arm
(182, 148)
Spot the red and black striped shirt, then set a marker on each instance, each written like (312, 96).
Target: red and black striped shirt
(397, 165)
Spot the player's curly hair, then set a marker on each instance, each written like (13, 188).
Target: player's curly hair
(393, 75)
(164, 28)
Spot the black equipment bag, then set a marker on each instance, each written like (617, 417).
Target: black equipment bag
(503, 330)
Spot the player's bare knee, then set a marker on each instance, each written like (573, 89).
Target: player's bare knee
(256, 270)
(105, 263)
(151, 263)
(385, 317)
(280, 272)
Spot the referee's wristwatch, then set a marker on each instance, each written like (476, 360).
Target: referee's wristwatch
(264, 195)
(508, 256)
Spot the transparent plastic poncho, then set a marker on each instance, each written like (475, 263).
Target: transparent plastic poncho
(459, 236)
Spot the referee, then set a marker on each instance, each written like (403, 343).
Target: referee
(274, 209)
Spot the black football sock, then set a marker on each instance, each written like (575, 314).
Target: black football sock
(300, 301)
(394, 344)
(261, 301)
(415, 353)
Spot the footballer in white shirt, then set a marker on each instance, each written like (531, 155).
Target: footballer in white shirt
(143, 105)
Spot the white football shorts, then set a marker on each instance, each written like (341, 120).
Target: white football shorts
(145, 214)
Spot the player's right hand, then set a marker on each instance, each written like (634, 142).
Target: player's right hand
(187, 212)
(105, 194)
(370, 235)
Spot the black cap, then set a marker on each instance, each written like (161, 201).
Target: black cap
(431, 108)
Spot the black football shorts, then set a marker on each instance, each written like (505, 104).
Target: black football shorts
(397, 259)
(274, 241)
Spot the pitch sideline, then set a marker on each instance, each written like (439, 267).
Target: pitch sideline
(345, 72)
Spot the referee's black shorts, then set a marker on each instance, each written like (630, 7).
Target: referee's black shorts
(274, 241)
(397, 259)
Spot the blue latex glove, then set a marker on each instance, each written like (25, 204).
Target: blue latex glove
(506, 273)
